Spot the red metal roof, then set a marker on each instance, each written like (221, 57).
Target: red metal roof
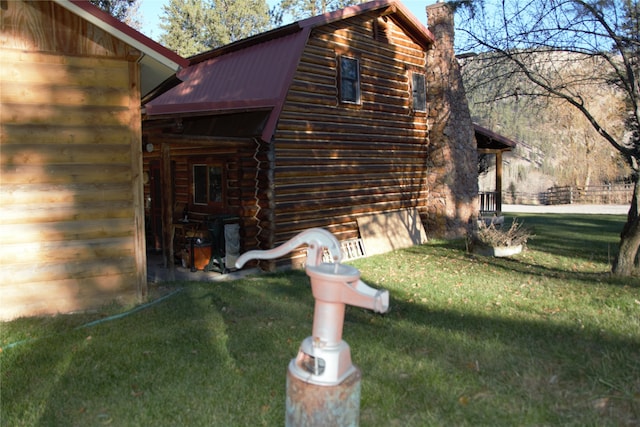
(253, 78)
(255, 73)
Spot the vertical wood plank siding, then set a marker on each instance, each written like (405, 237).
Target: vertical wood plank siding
(69, 135)
(335, 162)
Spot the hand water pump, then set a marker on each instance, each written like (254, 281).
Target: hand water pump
(323, 385)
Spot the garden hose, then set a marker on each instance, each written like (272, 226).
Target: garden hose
(99, 321)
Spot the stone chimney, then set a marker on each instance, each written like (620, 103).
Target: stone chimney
(453, 165)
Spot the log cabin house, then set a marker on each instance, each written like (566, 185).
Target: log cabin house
(351, 120)
(72, 213)
(355, 121)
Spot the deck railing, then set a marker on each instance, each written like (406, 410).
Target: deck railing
(487, 200)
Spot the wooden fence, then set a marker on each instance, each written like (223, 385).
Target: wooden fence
(593, 194)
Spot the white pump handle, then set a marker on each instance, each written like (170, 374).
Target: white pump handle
(316, 238)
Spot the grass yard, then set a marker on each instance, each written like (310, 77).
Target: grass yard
(544, 338)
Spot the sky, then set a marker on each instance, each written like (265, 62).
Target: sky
(152, 9)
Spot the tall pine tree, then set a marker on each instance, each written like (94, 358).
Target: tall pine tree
(126, 11)
(195, 26)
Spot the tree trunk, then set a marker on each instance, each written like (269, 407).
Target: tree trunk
(626, 262)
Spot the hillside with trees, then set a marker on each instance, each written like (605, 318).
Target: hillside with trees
(558, 147)
(572, 54)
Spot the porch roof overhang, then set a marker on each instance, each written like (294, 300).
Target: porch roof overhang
(490, 142)
(236, 82)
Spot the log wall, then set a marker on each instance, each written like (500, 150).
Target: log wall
(246, 190)
(71, 223)
(329, 163)
(335, 162)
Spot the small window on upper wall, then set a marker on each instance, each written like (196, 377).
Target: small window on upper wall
(208, 186)
(349, 80)
(419, 92)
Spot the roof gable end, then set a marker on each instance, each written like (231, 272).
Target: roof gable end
(403, 16)
(157, 62)
(400, 13)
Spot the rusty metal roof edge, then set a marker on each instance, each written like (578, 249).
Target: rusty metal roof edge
(218, 108)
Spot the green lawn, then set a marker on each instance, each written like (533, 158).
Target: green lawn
(544, 338)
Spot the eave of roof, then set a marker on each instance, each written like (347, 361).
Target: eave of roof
(157, 64)
(495, 140)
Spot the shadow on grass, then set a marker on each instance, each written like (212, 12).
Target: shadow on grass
(588, 237)
(216, 354)
(183, 362)
(583, 238)
(533, 269)
(451, 367)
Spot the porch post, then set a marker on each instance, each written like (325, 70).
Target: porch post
(499, 182)
(167, 207)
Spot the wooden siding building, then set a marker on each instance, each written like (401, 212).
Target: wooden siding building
(320, 123)
(72, 214)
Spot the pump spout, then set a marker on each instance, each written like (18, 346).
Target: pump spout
(363, 295)
(316, 238)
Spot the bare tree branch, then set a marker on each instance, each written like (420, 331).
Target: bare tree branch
(545, 49)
